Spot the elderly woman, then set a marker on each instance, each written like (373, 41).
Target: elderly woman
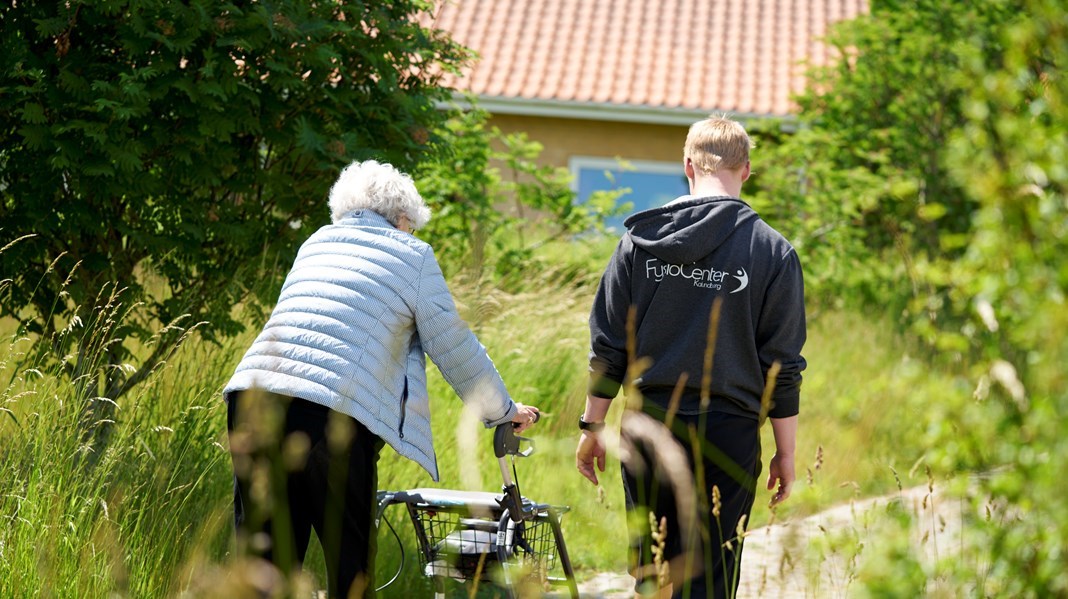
(339, 370)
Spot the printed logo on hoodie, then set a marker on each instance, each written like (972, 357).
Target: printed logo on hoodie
(709, 278)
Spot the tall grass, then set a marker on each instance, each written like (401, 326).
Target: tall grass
(85, 521)
(151, 515)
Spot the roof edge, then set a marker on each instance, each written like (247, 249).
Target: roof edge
(599, 111)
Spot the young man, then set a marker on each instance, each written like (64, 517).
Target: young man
(703, 259)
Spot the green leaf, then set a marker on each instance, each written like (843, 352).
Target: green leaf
(34, 113)
(35, 136)
(307, 137)
(932, 212)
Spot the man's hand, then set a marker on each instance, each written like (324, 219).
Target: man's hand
(590, 451)
(780, 472)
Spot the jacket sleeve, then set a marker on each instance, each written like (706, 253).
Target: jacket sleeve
(456, 351)
(608, 324)
(781, 334)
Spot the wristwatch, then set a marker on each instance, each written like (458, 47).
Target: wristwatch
(593, 427)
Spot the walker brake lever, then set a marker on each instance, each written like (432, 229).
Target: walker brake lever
(506, 442)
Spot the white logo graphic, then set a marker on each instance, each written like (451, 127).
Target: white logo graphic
(743, 278)
(709, 278)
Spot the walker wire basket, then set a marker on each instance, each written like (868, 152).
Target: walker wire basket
(501, 538)
(459, 543)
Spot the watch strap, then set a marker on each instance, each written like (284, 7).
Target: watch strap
(593, 427)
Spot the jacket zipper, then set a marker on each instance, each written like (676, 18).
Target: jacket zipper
(404, 408)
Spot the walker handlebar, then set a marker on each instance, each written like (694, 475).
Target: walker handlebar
(506, 442)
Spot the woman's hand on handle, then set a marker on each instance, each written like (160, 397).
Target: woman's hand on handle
(525, 417)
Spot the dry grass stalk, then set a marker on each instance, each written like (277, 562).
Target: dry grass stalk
(769, 389)
(632, 343)
(473, 590)
(817, 465)
(699, 481)
(717, 505)
(467, 440)
(16, 240)
(710, 350)
(676, 398)
(740, 529)
(739, 537)
(639, 429)
(716, 502)
(934, 512)
(659, 533)
(635, 366)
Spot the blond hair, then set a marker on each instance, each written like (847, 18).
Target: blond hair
(717, 143)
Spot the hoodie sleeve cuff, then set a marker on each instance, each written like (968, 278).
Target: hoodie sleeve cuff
(600, 386)
(784, 407)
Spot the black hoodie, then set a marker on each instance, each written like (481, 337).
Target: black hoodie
(670, 265)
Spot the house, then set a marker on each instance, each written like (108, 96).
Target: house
(596, 81)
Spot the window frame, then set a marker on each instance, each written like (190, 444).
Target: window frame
(656, 167)
(600, 164)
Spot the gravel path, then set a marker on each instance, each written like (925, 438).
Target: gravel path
(811, 557)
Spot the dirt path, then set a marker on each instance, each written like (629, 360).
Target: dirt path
(813, 556)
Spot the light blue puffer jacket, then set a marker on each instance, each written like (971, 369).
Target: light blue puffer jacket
(359, 308)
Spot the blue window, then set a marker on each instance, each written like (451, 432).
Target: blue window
(651, 184)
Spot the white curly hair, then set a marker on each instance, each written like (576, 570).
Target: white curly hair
(381, 188)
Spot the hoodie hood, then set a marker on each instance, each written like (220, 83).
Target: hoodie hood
(688, 230)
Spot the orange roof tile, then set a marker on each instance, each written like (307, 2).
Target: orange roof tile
(741, 56)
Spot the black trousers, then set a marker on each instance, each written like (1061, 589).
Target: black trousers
(300, 466)
(730, 462)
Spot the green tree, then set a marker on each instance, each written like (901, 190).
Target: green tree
(489, 195)
(1009, 290)
(863, 186)
(929, 173)
(174, 145)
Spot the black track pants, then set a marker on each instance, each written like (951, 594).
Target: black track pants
(730, 452)
(300, 466)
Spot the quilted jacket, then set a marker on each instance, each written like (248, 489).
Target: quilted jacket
(361, 308)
